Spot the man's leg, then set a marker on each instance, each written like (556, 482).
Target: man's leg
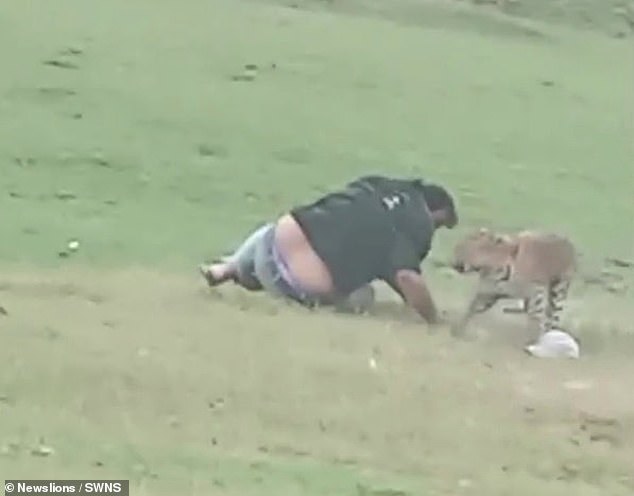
(238, 267)
(267, 267)
(254, 267)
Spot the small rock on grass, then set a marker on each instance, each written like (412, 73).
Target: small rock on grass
(65, 195)
(42, 450)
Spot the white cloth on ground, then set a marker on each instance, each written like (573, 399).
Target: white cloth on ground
(554, 344)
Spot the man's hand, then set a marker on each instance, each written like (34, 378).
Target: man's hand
(412, 288)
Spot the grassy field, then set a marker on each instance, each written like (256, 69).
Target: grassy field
(135, 128)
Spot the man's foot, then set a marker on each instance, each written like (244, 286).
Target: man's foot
(216, 273)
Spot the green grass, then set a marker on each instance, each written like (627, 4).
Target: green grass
(146, 150)
(462, 108)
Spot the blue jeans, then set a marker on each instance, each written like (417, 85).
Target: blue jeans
(260, 265)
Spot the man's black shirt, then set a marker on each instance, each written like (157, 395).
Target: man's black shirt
(369, 230)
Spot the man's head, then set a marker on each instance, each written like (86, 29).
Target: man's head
(441, 205)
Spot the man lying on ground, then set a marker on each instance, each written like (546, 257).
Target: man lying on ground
(329, 251)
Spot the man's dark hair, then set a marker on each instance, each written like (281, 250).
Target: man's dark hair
(438, 198)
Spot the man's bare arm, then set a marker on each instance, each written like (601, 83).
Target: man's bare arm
(412, 288)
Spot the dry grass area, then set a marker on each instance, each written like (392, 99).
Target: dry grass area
(150, 376)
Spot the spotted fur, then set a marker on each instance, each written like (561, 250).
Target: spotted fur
(534, 267)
